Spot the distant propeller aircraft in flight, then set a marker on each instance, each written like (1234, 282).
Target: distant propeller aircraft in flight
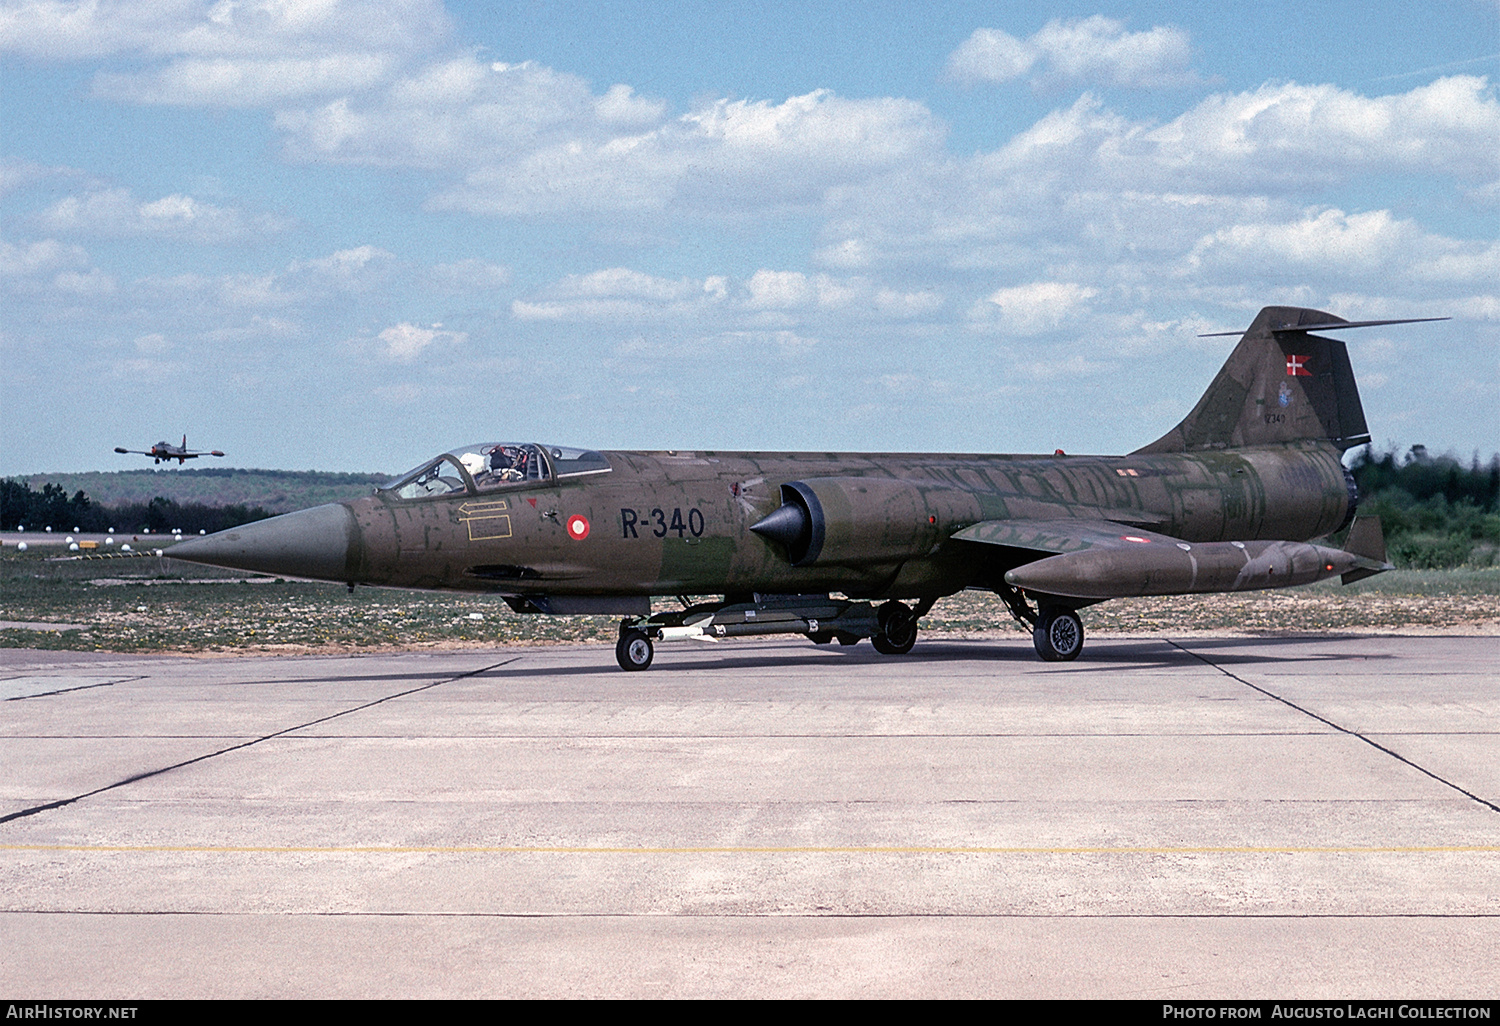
(1231, 499)
(167, 451)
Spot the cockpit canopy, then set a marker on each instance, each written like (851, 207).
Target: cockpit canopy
(491, 465)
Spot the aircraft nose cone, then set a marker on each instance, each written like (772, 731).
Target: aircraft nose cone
(314, 542)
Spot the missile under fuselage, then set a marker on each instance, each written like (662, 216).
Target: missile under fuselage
(1154, 567)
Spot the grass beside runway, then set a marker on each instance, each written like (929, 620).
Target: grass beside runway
(146, 604)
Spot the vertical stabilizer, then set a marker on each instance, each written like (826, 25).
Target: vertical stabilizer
(1281, 384)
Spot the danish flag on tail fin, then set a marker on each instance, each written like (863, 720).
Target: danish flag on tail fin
(1296, 367)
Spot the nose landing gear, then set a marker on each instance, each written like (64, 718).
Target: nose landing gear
(634, 650)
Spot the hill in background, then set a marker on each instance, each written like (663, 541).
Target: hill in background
(275, 491)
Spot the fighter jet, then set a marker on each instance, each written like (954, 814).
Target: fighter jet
(169, 452)
(843, 546)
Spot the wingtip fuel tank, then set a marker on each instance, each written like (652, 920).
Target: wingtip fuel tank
(1164, 566)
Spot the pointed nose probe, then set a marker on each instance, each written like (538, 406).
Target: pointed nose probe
(318, 543)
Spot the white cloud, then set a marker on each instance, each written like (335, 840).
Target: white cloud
(228, 52)
(620, 106)
(459, 113)
(1290, 133)
(472, 276)
(244, 82)
(1277, 136)
(1358, 242)
(1072, 367)
(619, 293)
(1039, 306)
(768, 299)
(70, 29)
(117, 213)
(47, 269)
(847, 253)
(1341, 245)
(18, 174)
(92, 282)
(153, 344)
(778, 290)
(347, 267)
(621, 282)
(907, 304)
(1095, 50)
(405, 342)
(347, 273)
(527, 140)
(992, 55)
(1084, 183)
(46, 256)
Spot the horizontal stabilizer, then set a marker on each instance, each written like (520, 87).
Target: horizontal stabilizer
(1329, 326)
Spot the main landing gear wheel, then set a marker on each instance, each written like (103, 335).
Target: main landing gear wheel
(634, 650)
(898, 629)
(1058, 635)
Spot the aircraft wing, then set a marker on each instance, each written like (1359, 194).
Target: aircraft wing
(1061, 535)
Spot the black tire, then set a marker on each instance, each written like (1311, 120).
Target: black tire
(634, 650)
(1058, 635)
(821, 637)
(898, 629)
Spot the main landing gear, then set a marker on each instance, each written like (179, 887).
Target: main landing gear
(892, 628)
(1058, 635)
(1056, 630)
(898, 628)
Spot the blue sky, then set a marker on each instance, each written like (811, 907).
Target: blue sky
(345, 234)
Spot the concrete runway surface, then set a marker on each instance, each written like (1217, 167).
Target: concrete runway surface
(1163, 819)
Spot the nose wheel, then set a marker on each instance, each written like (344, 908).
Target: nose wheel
(634, 650)
(1058, 635)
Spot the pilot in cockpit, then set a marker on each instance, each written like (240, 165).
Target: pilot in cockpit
(509, 462)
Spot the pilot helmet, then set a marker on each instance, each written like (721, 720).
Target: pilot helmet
(473, 462)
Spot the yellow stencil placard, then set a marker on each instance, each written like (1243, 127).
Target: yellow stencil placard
(485, 520)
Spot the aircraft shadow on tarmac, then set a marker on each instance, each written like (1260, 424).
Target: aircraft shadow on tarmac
(1108, 655)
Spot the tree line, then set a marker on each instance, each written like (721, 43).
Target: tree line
(53, 507)
(1435, 511)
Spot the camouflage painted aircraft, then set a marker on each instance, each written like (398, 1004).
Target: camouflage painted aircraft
(1228, 500)
(169, 452)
